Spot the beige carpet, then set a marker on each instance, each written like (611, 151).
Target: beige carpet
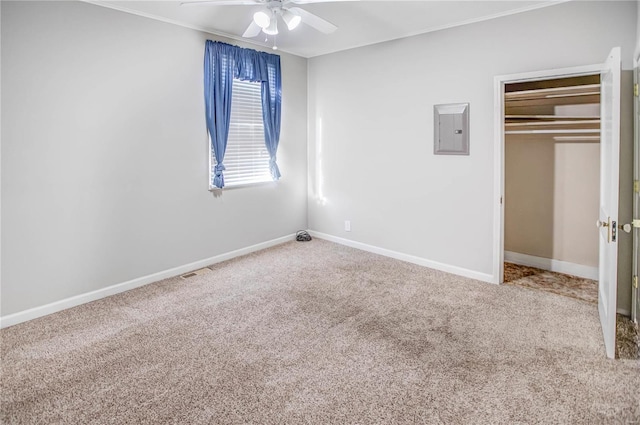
(318, 333)
(627, 333)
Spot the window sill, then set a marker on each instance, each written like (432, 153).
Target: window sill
(241, 186)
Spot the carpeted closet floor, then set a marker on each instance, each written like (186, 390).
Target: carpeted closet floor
(627, 335)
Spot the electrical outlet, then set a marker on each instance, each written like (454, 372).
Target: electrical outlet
(347, 226)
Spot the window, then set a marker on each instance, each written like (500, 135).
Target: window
(246, 158)
(253, 118)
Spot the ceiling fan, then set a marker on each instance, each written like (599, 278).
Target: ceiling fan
(266, 20)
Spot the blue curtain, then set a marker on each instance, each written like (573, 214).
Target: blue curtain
(271, 106)
(218, 83)
(224, 62)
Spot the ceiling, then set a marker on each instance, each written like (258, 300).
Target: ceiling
(360, 23)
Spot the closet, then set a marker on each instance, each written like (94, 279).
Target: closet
(552, 162)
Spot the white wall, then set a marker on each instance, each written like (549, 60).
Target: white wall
(104, 154)
(552, 198)
(371, 126)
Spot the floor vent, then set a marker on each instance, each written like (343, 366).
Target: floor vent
(195, 273)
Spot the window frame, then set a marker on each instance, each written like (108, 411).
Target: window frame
(266, 177)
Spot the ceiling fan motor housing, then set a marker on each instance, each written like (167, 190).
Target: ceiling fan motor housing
(268, 21)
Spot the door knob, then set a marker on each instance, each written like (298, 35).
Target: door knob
(601, 223)
(625, 227)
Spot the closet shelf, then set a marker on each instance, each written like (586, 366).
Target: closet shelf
(559, 125)
(551, 117)
(552, 126)
(554, 96)
(556, 131)
(554, 92)
(583, 123)
(530, 111)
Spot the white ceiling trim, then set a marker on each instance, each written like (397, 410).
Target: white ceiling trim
(178, 23)
(457, 24)
(263, 47)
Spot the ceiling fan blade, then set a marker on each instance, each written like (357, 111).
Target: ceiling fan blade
(314, 20)
(252, 30)
(221, 2)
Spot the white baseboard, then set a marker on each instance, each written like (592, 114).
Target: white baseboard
(34, 313)
(623, 312)
(558, 266)
(512, 257)
(406, 257)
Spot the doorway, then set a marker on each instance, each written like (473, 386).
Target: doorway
(534, 116)
(552, 174)
(607, 222)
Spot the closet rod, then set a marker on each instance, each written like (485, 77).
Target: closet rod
(576, 138)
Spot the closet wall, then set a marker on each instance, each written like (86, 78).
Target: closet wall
(552, 155)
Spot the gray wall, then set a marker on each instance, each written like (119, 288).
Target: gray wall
(371, 127)
(104, 154)
(104, 147)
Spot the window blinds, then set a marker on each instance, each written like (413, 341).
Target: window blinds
(246, 158)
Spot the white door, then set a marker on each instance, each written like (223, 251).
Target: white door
(635, 294)
(609, 175)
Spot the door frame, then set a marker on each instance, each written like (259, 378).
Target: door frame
(499, 147)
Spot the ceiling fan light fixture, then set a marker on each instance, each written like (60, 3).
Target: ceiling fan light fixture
(291, 19)
(272, 28)
(262, 19)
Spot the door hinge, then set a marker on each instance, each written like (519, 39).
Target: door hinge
(635, 282)
(636, 186)
(635, 223)
(635, 90)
